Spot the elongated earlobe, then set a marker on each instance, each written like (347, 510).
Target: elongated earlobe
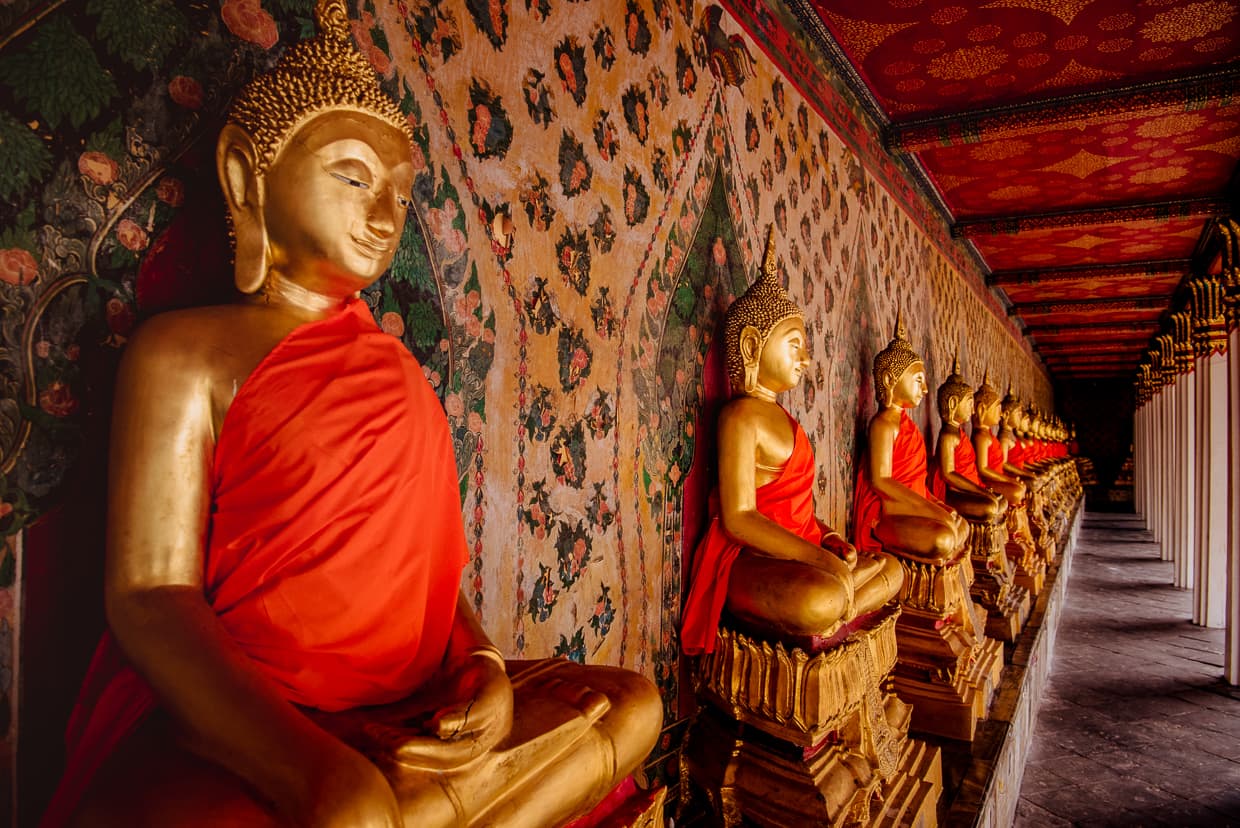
(235, 161)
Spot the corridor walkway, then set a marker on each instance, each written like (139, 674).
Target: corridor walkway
(1136, 728)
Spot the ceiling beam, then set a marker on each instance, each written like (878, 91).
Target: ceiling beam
(1125, 330)
(1157, 302)
(1205, 90)
(1119, 214)
(1086, 362)
(1123, 270)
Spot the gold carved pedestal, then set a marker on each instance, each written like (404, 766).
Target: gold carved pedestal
(791, 739)
(1028, 567)
(1006, 603)
(947, 668)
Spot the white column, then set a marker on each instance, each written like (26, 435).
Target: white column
(1231, 656)
(1210, 584)
(1166, 473)
(1186, 475)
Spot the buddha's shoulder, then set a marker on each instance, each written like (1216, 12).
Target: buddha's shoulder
(191, 339)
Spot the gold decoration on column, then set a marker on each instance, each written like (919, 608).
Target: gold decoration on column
(1209, 316)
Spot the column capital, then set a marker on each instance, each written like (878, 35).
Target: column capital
(1209, 316)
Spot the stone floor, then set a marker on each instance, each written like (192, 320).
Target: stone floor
(1136, 728)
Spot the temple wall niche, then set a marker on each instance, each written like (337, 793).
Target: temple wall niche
(566, 154)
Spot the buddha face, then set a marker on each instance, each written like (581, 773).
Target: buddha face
(964, 409)
(336, 200)
(784, 356)
(987, 415)
(910, 387)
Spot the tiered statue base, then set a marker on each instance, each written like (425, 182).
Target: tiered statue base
(787, 738)
(1028, 567)
(948, 668)
(1006, 603)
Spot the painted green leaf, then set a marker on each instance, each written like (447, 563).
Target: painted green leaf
(57, 75)
(24, 158)
(139, 32)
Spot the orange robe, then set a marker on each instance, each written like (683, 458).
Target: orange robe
(908, 466)
(335, 544)
(994, 456)
(965, 461)
(789, 501)
(1016, 455)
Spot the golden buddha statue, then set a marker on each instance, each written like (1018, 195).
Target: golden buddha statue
(1013, 437)
(955, 480)
(948, 668)
(288, 640)
(777, 567)
(1029, 568)
(893, 509)
(776, 593)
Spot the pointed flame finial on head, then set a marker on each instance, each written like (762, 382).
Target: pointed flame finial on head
(770, 269)
(900, 332)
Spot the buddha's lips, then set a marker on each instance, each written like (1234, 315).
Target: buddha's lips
(374, 248)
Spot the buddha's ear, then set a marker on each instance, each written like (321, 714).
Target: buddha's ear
(236, 163)
(750, 344)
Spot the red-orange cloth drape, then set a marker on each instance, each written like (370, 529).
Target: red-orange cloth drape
(1016, 454)
(788, 500)
(994, 456)
(964, 461)
(335, 545)
(908, 466)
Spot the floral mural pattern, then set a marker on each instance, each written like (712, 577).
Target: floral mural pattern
(580, 219)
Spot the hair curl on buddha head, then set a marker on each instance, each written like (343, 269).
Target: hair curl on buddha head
(322, 74)
(952, 391)
(893, 361)
(762, 307)
(985, 393)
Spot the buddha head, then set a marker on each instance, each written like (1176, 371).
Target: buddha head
(986, 403)
(955, 397)
(314, 161)
(1010, 409)
(899, 372)
(764, 333)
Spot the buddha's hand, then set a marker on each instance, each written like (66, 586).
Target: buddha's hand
(836, 544)
(344, 789)
(474, 716)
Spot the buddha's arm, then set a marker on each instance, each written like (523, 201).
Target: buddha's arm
(947, 465)
(738, 500)
(158, 504)
(882, 445)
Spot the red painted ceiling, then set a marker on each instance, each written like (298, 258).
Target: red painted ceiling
(1060, 136)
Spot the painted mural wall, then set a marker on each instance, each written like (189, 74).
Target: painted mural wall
(594, 184)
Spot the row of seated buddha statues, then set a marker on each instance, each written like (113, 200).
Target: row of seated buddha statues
(1029, 567)
(947, 667)
(956, 480)
(793, 629)
(288, 642)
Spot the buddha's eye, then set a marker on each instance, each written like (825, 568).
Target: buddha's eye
(352, 182)
(404, 202)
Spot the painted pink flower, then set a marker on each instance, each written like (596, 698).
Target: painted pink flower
(132, 235)
(17, 266)
(98, 167)
(185, 91)
(454, 405)
(392, 323)
(247, 20)
(119, 315)
(718, 252)
(170, 191)
(474, 422)
(57, 400)
(43, 349)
